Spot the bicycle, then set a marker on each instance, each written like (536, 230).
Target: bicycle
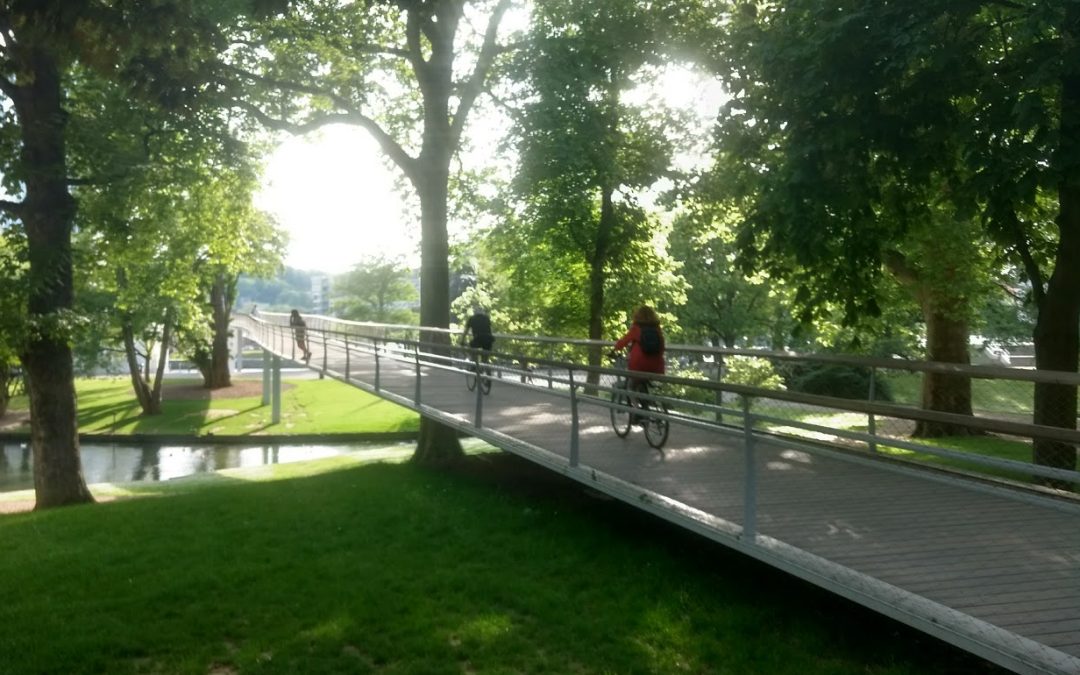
(475, 375)
(622, 399)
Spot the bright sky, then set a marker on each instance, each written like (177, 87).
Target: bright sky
(334, 194)
(335, 197)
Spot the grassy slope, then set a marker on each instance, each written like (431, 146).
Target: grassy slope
(330, 566)
(107, 405)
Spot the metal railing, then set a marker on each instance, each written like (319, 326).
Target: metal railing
(702, 393)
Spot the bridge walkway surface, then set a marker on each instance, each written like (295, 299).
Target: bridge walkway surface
(991, 569)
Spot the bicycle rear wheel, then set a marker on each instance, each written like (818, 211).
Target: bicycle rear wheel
(485, 379)
(620, 418)
(657, 428)
(470, 378)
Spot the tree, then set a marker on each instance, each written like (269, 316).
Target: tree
(407, 71)
(585, 152)
(40, 40)
(723, 306)
(862, 120)
(377, 289)
(237, 239)
(12, 308)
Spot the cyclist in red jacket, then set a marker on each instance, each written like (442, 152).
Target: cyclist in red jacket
(646, 342)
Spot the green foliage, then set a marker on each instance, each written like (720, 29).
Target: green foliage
(751, 371)
(724, 306)
(377, 289)
(833, 165)
(289, 289)
(842, 381)
(585, 154)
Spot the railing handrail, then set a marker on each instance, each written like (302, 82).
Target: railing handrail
(917, 414)
(910, 365)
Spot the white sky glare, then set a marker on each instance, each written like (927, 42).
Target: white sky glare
(335, 197)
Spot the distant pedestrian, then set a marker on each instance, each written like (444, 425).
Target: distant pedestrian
(300, 332)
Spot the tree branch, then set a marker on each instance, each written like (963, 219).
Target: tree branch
(475, 84)
(387, 144)
(14, 208)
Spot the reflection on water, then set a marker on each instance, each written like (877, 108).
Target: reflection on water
(116, 463)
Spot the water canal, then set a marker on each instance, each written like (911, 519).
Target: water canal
(123, 463)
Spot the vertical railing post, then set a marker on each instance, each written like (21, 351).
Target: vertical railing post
(749, 532)
(416, 353)
(575, 434)
(478, 419)
(348, 365)
(551, 366)
(324, 342)
(871, 421)
(719, 398)
(375, 346)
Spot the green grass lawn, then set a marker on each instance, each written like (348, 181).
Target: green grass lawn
(336, 566)
(108, 405)
(1010, 397)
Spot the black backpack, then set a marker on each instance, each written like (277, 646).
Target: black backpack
(651, 342)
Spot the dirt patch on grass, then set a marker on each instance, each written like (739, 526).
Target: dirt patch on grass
(15, 420)
(194, 391)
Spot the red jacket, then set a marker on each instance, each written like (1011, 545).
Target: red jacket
(639, 360)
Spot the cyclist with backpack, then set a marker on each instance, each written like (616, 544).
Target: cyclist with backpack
(646, 342)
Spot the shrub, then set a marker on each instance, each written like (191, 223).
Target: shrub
(841, 381)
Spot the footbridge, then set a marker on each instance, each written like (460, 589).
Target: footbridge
(959, 541)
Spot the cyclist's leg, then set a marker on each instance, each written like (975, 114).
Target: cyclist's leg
(636, 384)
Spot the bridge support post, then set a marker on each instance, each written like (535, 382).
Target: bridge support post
(275, 415)
(238, 357)
(749, 530)
(575, 443)
(266, 377)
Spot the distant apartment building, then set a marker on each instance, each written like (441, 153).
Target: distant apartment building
(320, 294)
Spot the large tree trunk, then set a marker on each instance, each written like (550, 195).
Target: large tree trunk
(598, 279)
(47, 214)
(1057, 331)
(138, 382)
(947, 337)
(438, 443)
(5, 396)
(216, 375)
(946, 342)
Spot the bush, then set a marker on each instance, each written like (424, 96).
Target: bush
(836, 380)
(752, 371)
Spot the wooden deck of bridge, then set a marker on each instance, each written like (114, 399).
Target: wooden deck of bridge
(978, 566)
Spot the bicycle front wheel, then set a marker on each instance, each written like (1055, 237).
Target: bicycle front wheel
(620, 417)
(485, 380)
(470, 380)
(656, 428)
